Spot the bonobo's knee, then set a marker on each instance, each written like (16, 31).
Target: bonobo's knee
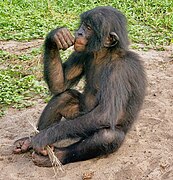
(65, 98)
(70, 104)
(65, 105)
(108, 136)
(69, 95)
(112, 139)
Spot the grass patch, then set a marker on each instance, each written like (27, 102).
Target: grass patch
(20, 80)
(18, 90)
(149, 23)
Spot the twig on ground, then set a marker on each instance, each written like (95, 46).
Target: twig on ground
(56, 164)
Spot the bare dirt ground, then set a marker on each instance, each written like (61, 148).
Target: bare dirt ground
(146, 154)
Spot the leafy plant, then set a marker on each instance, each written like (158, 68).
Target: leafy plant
(150, 22)
(18, 89)
(21, 81)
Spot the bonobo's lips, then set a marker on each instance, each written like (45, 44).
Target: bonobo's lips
(80, 42)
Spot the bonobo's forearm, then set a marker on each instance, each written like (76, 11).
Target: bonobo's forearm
(56, 40)
(53, 71)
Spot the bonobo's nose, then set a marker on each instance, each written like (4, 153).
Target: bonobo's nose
(79, 32)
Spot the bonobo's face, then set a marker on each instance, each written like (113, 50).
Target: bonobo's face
(82, 36)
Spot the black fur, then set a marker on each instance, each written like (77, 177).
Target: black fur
(112, 97)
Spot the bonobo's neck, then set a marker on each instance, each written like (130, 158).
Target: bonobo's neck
(99, 56)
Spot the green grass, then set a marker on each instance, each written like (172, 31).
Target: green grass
(16, 87)
(20, 83)
(150, 22)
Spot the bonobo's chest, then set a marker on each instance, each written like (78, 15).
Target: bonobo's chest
(93, 74)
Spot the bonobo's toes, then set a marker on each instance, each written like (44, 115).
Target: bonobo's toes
(42, 161)
(22, 145)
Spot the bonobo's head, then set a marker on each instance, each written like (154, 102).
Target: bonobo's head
(101, 27)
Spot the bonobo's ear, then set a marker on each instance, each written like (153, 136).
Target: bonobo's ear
(112, 40)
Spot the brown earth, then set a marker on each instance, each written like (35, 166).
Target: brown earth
(146, 154)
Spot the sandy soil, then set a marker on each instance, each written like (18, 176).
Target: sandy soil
(147, 152)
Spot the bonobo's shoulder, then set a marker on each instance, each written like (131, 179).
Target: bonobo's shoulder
(125, 55)
(127, 60)
(132, 59)
(132, 55)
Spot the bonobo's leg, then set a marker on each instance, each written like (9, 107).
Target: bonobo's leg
(100, 143)
(68, 104)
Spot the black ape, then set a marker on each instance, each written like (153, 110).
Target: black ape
(112, 96)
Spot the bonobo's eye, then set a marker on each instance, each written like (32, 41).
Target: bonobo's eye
(88, 27)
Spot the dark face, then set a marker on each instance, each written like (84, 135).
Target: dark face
(82, 36)
(96, 31)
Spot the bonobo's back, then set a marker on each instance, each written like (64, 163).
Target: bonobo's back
(136, 82)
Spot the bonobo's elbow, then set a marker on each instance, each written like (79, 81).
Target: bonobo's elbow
(57, 90)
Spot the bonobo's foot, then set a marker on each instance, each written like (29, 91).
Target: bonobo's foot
(44, 161)
(22, 145)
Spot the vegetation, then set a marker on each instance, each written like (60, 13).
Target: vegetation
(150, 22)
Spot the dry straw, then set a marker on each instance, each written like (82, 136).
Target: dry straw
(56, 164)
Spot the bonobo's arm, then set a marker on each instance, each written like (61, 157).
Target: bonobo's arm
(105, 114)
(60, 76)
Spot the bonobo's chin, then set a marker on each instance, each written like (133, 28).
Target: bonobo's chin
(79, 48)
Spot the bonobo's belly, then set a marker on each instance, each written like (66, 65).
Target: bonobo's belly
(92, 87)
(91, 97)
(90, 101)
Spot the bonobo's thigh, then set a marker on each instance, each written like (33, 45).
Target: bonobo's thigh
(68, 104)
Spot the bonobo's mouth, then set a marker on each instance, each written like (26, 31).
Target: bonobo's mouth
(80, 41)
(80, 44)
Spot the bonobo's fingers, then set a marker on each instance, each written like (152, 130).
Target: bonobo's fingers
(63, 39)
(71, 38)
(22, 145)
(42, 139)
(68, 37)
(43, 151)
(58, 42)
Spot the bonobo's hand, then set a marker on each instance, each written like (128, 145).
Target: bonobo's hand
(63, 38)
(42, 139)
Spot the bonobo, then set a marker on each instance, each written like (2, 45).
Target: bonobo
(114, 89)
